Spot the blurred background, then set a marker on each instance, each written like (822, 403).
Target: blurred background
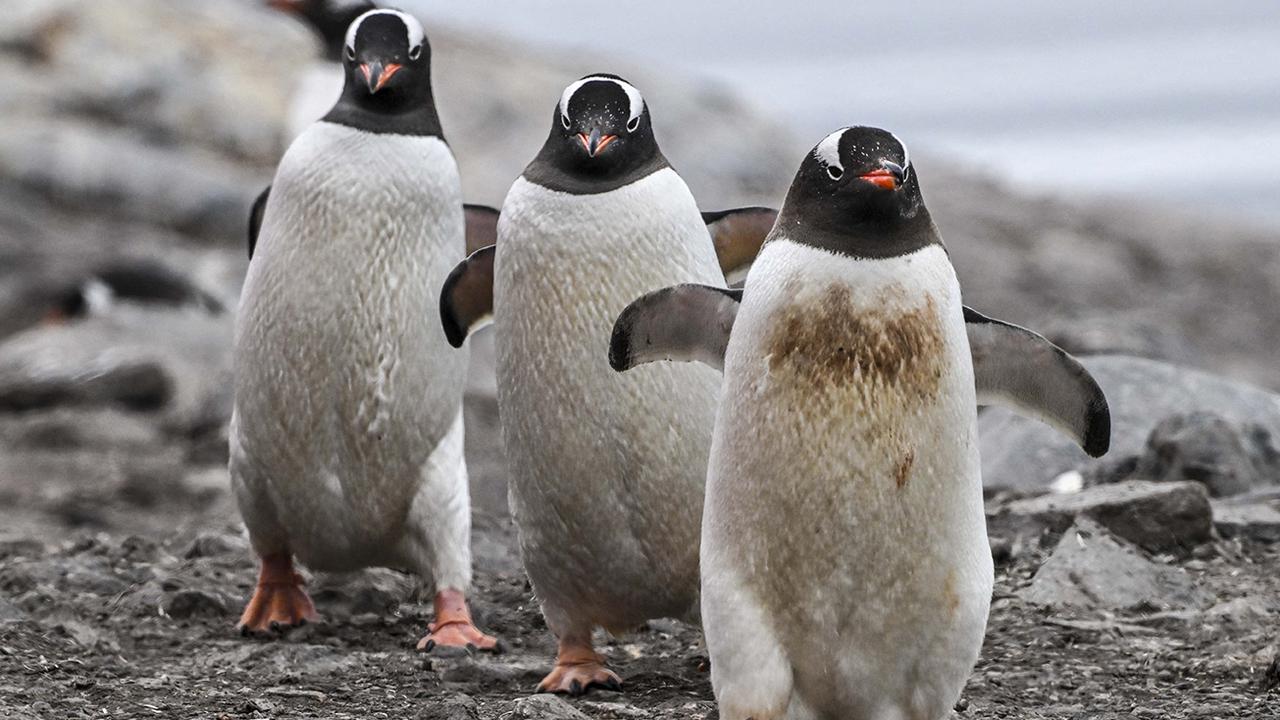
(1176, 102)
(1104, 174)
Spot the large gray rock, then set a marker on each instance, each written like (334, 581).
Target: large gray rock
(1206, 448)
(1026, 456)
(177, 362)
(1251, 521)
(1160, 517)
(1092, 570)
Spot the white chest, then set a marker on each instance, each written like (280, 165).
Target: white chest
(359, 233)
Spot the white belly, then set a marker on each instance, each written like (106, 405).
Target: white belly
(608, 468)
(344, 382)
(844, 548)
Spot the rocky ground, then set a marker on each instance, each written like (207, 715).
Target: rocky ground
(136, 134)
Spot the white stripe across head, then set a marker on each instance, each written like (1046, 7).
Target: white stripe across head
(414, 28)
(634, 98)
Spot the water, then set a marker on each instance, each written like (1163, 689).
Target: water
(1175, 101)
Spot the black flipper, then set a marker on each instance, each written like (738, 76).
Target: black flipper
(466, 301)
(1015, 367)
(255, 218)
(482, 226)
(738, 235)
(683, 322)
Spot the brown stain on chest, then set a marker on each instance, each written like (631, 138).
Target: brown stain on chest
(949, 596)
(902, 473)
(828, 342)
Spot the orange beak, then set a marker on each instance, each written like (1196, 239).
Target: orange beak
(595, 143)
(889, 177)
(376, 75)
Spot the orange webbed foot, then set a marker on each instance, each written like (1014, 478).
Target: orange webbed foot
(578, 668)
(453, 626)
(278, 601)
(575, 680)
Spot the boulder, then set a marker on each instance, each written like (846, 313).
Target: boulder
(1026, 456)
(1207, 448)
(1090, 569)
(1252, 521)
(1160, 517)
(139, 359)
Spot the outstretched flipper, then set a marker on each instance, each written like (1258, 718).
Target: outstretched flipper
(738, 235)
(482, 226)
(1015, 367)
(466, 301)
(255, 218)
(1012, 366)
(682, 322)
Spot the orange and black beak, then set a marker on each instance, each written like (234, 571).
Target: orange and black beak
(377, 74)
(595, 143)
(286, 5)
(889, 176)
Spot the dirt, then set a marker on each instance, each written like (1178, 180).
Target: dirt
(118, 600)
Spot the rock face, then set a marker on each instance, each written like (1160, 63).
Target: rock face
(1091, 569)
(1025, 456)
(1252, 521)
(1160, 517)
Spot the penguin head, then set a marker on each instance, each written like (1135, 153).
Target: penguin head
(601, 128)
(328, 18)
(387, 60)
(857, 192)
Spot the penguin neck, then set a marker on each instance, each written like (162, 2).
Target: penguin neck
(387, 113)
(874, 235)
(556, 168)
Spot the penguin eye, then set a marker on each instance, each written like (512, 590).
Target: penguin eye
(835, 172)
(350, 52)
(415, 53)
(633, 124)
(564, 120)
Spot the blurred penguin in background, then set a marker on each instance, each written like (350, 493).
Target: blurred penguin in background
(321, 82)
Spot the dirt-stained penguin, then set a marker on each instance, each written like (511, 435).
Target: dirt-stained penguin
(607, 470)
(346, 437)
(845, 566)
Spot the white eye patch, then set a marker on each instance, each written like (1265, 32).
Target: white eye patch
(635, 100)
(828, 153)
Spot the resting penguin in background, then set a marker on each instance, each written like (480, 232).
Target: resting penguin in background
(346, 438)
(607, 470)
(846, 573)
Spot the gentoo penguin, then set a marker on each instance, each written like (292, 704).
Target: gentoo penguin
(321, 81)
(144, 282)
(845, 566)
(346, 438)
(607, 470)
